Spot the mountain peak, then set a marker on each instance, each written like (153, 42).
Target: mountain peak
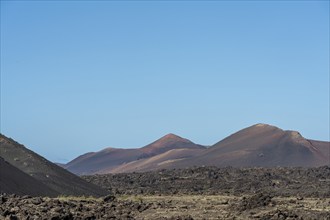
(172, 136)
(263, 125)
(168, 142)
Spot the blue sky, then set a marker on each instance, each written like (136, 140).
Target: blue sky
(79, 76)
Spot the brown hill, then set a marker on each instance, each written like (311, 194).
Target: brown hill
(11, 179)
(168, 142)
(264, 146)
(109, 158)
(323, 149)
(44, 172)
(155, 162)
(259, 145)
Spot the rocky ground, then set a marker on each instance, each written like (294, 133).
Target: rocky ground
(258, 206)
(199, 193)
(26, 207)
(303, 182)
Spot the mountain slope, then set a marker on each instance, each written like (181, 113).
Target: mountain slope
(258, 145)
(93, 162)
(155, 162)
(110, 158)
(261, 145)
(168, 142)
(11, 179)
(43, 171)
(323, 148)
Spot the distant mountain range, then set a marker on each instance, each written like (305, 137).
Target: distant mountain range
(260, 145)
(110, 158)
(24, 172)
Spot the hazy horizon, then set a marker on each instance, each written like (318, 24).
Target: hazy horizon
(80, 76)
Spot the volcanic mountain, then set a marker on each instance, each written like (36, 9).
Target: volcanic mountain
(168, 142)
(11, 179)
(260, 145)
(264, 146)
(25, 172)
(155, 162)
(110, 158)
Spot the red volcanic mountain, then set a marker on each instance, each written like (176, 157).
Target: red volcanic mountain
(262, 145)
(93, 162)
(166, 143)
(110, 158)
(155, 162)
(259, 145)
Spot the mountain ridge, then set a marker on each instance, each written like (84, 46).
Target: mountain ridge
(257, 145)
(51, 178)
(109, 158)
(11, 178)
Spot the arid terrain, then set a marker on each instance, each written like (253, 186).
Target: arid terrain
(259, 206)
(260, 145)
(31, 187)
(195, 193)
(284, 182)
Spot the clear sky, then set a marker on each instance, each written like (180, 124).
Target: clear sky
(80, 76)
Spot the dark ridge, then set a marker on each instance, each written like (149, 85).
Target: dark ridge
(45, 172)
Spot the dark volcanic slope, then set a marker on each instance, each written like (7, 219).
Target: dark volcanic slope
(261, 145)
(110, 158)
(54, 177)
(11, 180)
